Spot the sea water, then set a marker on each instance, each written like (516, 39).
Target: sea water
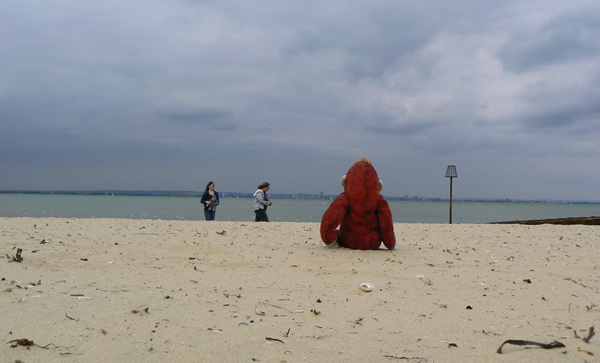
(283, 210)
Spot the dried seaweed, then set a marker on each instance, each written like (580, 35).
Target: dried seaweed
(18, 257)
(554, 344)
(26, 343)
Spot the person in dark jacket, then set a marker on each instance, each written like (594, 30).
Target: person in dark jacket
(210, 200)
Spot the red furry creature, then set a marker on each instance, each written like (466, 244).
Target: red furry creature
(362, 214)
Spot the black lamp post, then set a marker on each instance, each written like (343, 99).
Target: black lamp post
(451, 173)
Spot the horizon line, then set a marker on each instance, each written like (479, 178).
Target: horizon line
(158, 192)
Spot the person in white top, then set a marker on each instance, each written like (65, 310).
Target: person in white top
(261, 202)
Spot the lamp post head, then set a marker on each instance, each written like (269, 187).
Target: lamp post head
(451, 172)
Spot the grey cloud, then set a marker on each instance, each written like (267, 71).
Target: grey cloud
(367, 42)
(208, 117)
(561, 117)
(571, 35)
(402, 128)
(562, 104)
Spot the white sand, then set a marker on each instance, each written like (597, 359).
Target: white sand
(117, 290)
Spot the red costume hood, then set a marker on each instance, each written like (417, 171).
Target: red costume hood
(362, 185)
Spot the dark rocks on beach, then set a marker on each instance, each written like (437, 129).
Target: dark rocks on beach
(591, 221)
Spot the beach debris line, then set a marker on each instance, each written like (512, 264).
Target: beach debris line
(554, 344)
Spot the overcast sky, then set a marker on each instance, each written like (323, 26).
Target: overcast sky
(167, 95)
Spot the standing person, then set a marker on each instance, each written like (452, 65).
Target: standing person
(261, 202)
(210, 200)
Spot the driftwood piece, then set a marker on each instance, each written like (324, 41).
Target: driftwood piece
(591, 333)
(554, 344)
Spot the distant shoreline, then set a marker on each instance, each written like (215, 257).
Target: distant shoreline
(195, 194)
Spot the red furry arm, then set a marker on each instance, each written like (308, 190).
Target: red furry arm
(386, 224)
(333, 217)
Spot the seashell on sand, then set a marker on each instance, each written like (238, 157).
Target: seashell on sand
(366, 287)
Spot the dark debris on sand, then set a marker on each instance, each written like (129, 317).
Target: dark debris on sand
(590, 221)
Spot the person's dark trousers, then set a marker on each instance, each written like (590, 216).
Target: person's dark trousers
(260, 216)
(209, 215)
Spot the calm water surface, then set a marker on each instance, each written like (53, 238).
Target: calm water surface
(283, 210)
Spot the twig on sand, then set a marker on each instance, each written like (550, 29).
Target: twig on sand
(275, 306)
(71, 317)
(274, 340)
(591, 333)
(554, 344)
(580, 284)
(409, 358)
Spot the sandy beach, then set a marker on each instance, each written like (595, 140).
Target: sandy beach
(121, 290)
